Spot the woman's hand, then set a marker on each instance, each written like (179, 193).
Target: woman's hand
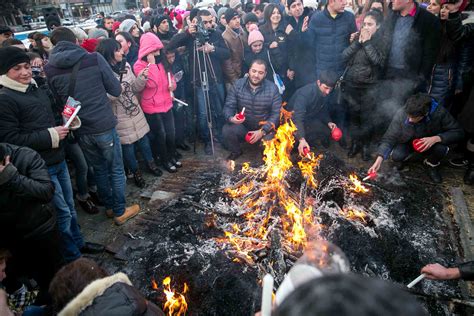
(364, 36)
(144, 73)
(273, 45)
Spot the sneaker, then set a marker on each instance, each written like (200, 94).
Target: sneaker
(208, 148)
(168, 166)
(433, 172)
(130, 212)
(128, 173)
(458, 162)
(88, 206)
(176, 162)
(234, 156)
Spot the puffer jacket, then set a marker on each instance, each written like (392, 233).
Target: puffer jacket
(365, 61)
(26, 119)
(442, 81)
(232, 67)
(261, 106)
(113, 295)
(156, 97)
(26, 191)
(437, 123)
(467, 270)
(282, 39)
(275, 57)
(131, 125)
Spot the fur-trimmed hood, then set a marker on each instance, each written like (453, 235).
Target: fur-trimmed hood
(91, 292)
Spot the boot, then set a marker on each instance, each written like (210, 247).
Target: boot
(129, 213)
(153, 168)
(139, 181)
(469, 175)
(433, 171)
(354, 150)
(366, 152)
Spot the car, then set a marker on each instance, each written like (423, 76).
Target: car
(67, 22)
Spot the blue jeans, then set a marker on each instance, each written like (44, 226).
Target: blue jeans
(129, 153)
(85, 181)
(216, 100)
(71, 236)
(104, 153)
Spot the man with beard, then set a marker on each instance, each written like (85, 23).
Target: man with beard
(262, 103)
(160, 25)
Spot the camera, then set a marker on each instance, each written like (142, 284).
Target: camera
(36, 71)
(202, 34)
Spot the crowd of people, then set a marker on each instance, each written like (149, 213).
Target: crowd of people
(395, 77)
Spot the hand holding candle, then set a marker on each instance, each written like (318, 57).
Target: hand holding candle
(371, 175)
(240, 116)
(415, 281)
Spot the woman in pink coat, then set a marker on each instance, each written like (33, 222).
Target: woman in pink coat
(156, 99)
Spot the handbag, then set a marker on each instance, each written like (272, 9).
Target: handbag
(339, 87)
(276, 77)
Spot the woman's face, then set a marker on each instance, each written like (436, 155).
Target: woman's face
(434, 7)
(444, 12)
(118, 55)
(123, 42)
(257, 47)
(275, 18)
(170, 57)
(370, 25)
(134, 31)
(46, 42)
(377, 6)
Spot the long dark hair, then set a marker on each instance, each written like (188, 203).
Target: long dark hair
(39, 45)
(267, 13)
(107, 48)
(128, 37)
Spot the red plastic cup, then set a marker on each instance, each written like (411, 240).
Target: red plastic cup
(372, 175)
(336, 134)
(305, 151)
(248, 136)
(417, 144)
(240, 116)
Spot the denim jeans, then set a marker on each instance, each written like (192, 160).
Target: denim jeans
(434, 155)
(70, 233)
(216, 100)
(104, 153)
(85, 180)
(129, 153)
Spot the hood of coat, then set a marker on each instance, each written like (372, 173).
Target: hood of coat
(66, 54)
(149, 42)
(92, 291)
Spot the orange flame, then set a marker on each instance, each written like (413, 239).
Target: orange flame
(357, 185)
(175, 304)
(354, 215)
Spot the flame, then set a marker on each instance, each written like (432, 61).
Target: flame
(357, 185)
(175, 304)
(307, 166)
(353, 214)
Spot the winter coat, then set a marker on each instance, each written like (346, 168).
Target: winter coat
(113, 295)
(365, 62)
(465, 62)
(281, 50)
(442, 81)
(26, 119)
(156, 97)
(329, 37)
(275, 57)
(456, 30)
(261, 105)
(95, 79)
(131, 127)
(232, 67)
(423, 43)
(437, 123)
(308, 104)
(25, 194)
(467, 270)
(217, 57)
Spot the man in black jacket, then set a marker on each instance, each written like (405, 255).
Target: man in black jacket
(27, 221)
(464, 271)
(311, 115)
(421, 119)
(262, 103)
(214, 47)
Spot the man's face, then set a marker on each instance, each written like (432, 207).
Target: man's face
(296, 9)
(324, 88)
(234, 23)
(257, 74)
(415, 119)
(108, 24)
(207, 22)
(164, 26)
(399, 5)
(5, 36)
(21, 73)
(377, 6)
(337, 5)
(258, 13)
(123, 42)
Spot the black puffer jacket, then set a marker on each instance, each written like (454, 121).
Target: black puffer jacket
(25, 193)
(365, 61)
(275, 56)
(261, 105)
(282, 39)
(438, 123)
(442, 81)
(467, 270)
(26, 119)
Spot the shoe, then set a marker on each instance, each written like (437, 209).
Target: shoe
(366, 152)
(355, 149)
(88, 206)
(91, 247)
(208, 148)
(168, 166)
(325, 143)
(183, 146)
(234, 156)
(433, 171)
(176, 162)
(129, 213)
(153, 168)
(95, 198)
(128, 173)
(178, 155)
(469, 175)
(138, 178)
(458, 162)
(109, 213)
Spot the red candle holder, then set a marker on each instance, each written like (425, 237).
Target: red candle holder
(240, 116)
(248, 137)
(305, 151)
(417, 144)
(336, 134)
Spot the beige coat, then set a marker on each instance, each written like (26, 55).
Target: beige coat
(232, 67)
(132, 125)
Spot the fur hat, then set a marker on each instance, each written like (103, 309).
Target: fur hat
(10, 57)
(254, 35)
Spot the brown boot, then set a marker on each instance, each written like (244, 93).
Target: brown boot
(129, 213)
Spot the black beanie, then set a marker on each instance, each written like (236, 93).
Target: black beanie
(290, 2)
(10, 57)
(250, 17)
(229, 14)
(156, 21)
(193, 13)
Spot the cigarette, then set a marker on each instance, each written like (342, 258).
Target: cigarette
(179, 101)
(415, 281)
(243, 111)
(73, 116)
(267, 295)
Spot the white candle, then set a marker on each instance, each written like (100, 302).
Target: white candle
(181, 102)
(243, 111)
(74, 114)
(267, 295)
(415, 281)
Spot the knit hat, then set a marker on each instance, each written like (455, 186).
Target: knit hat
(230, 14)
(146, 26)
(126, 25)
(90, 44)
(193, 13)
(10, 57)
(250, 17)
(156, 21)
(220, 12)
(115, 26)
(98, 33)
(234, 4)
(254, 35)
(79, 33)
(290, 2)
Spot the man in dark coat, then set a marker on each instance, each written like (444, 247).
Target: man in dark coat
(464, 271)
(262, 103)
(162, 27)
(421, 119)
